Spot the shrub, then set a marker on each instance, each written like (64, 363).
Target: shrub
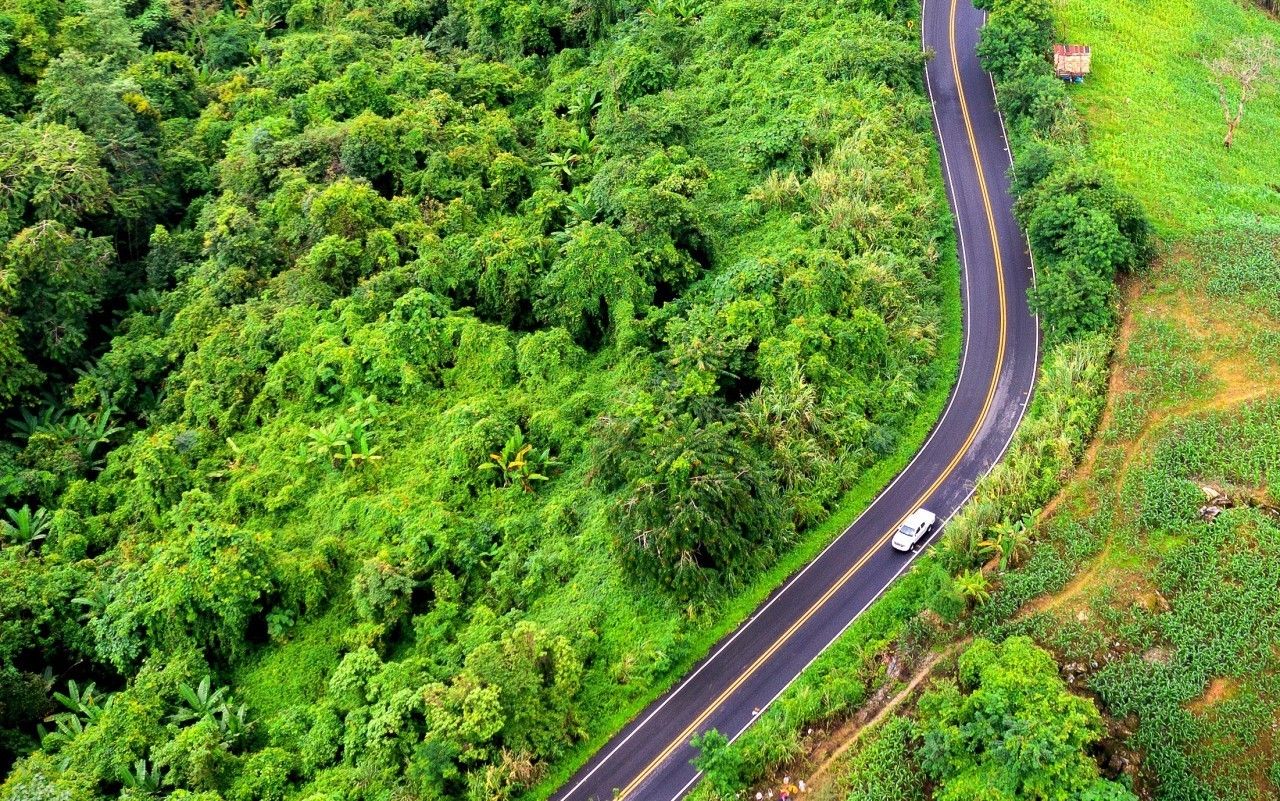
(264, 777)
(1082, 228)
(721, 765)
(1011, 730)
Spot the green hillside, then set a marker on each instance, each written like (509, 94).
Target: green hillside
(399, 394)
(1119, 638)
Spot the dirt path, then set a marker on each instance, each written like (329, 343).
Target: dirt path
(843, 738)
(1082, 579)
(1237, 380)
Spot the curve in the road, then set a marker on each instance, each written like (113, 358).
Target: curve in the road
(649, 759)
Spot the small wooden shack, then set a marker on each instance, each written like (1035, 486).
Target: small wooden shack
(1071, 62)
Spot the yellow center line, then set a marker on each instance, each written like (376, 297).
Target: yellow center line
(692, 728)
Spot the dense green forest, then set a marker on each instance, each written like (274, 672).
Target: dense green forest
(392, 391)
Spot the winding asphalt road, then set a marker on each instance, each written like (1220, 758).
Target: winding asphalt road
(649, 760)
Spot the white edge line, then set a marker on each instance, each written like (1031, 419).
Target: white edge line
(1012, 433)
(797, 576)
(937, 427)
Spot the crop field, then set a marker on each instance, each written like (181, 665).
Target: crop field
(1159, 601)
(1179, 614)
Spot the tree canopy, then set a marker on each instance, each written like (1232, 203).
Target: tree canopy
(414, 379)
(1009, 729)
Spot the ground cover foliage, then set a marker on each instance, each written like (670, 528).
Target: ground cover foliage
(1152, 577)
(1166, 612)
(1085, 231)
(395, 391)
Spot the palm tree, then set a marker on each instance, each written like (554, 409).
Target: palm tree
(973, 586)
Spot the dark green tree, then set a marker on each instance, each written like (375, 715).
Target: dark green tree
(700, 510)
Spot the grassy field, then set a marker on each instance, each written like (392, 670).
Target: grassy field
(1153, 113)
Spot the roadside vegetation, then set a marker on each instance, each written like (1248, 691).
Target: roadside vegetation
(1150, 579)
(397, 395)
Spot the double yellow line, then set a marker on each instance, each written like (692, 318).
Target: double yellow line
(693, 727)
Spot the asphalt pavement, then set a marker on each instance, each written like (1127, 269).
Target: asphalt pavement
(649, 760)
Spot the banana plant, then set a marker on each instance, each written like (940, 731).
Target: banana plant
(518, 463)
(141, 778)
(82, 710)
(66, 728)
(86, 433)
(94, 601)
(677, 10)
(91, 432)
(29, 424)
(1008, 543)
(81, 701)
(581, 206)
(346, 441)
(585, 103)
(360, 452)
(204, 701)
(973, 586)
(562, 164)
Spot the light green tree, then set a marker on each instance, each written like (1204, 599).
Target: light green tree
(1010, 731)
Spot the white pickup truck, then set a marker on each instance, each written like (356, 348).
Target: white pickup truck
(918, 524)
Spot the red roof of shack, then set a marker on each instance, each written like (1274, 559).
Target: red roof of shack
(1070, 50)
